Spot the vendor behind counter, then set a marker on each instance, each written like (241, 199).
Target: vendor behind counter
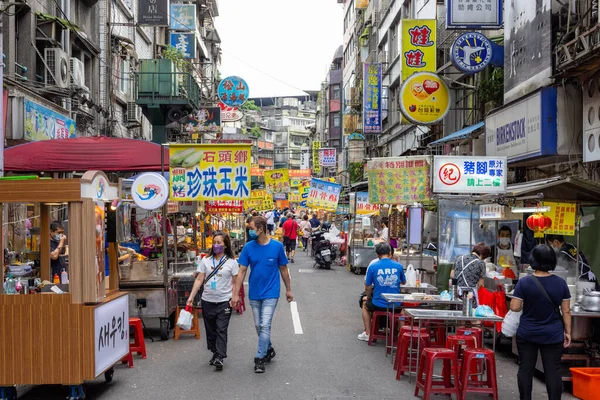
(568, 256)
(58, 241)
(502, 253)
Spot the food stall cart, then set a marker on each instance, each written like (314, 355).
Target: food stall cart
(362, 235)
(87, 325)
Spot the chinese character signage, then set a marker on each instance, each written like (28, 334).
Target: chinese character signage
(328, 157)
(295, 197)
(209, 172)
(474, 14)
(230, 114)
(183, 17)
(372, 98)
(224, 206)
(418, 46)
(563, 218)
(363, 206)
(399, 180)
(455, 174)
(277, 181)
(255, 170)
(233, 91)
(424, 98)
(42, 123)
(323, 195)
(361, 4)
(300, 173)
(153, 12)
(491, 212)
(259, 200)
(204, 120)
(305, 159)
(316, 146)
(295, 182)
(185, 43)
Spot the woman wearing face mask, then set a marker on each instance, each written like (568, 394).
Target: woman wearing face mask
(217, 293)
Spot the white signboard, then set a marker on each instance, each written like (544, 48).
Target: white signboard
(515, 131)
(150, 191)
(111, 333)
(99, 189)
(463, 14)
(479, 175)
(305, 158)
(491, 212)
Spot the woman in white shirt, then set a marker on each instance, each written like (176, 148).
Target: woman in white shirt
(216, 308)
(384, 233)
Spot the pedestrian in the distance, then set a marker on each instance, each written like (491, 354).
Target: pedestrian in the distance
(267, 262)
(221, 269)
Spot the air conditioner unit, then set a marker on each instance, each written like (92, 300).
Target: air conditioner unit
(78, 74)
(57, 68)
(134, 112)
(591, 120)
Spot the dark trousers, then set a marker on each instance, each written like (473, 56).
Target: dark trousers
(216, 321)
(551, 354)
(305, 243)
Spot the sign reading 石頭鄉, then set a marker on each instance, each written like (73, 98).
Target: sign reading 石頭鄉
(418, 46)
(209, 172)
(491, 212)
(456, 174)
(563, 216)
(462, 14)
(316, 167)
(323, 195)
(111, 333)
(277, 181)
(153, 12)
(372, 98)
(399, 180)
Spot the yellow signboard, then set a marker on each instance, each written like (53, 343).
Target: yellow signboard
(563, 217)
(295, 182)
(277, 180)
(260, 200)
(323, 195)
(424, 98)
(295, 197)
(209, 172)
(418, 46)
(316, 146)
(361, 4)
(399, 180)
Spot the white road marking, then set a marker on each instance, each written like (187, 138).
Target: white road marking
(296, 318)
(306, 271)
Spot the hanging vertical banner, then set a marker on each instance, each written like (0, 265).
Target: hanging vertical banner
(305, 158)
(372, 98)
(399, 180)
(564, 216)
(277, 181)
(418, 46)
(328, 157)
(304, 192)
(315, 157)
(323, 195)
(209, 172)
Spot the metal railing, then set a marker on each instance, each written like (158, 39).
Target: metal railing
(166, 87)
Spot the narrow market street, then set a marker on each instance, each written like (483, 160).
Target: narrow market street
(324, 361)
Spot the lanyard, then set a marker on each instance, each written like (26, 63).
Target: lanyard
(213, 261)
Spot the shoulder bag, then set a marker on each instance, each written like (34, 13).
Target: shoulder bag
(554, 307)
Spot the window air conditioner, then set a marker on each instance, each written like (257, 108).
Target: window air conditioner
(57, 68)
(78, 74)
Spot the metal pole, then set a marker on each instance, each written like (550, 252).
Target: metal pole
(165, 240)
(2, 92)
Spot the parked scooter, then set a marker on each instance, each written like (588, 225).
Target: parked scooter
(322, 250)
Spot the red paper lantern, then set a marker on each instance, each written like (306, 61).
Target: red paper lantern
(539, 222)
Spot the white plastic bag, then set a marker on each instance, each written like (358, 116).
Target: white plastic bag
(411, 276)
(185, 319)
(511, 323)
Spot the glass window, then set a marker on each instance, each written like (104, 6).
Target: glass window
(336, 120)
(335, 92)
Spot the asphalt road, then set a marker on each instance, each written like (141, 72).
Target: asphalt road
(325, 361)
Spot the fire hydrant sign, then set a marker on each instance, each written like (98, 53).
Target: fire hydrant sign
(111, 333)
(479, 175)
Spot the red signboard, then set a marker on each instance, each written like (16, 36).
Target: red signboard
(300, 173)
(224, 206)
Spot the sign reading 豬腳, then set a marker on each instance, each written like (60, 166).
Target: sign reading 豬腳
(233, 91)
(456, 174)
(462, 14)
(372, 98)
(323, 195)
(563, 217)
(42, 123)
(204, 120)
(153, 12)
(328, 157)
(185, 42)
(363, 206)
(209, 172)
(418, 46)
(111, 333)
(277, 181)
(224, 206)
(316, 167)
(183, 17)
(399, 180)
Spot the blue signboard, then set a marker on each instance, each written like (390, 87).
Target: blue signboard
(372, 98)
(233, 91)
(183, 17)
(41, 123)
(471, 52)
(185, 42)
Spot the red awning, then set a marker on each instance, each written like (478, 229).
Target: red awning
(84, 154)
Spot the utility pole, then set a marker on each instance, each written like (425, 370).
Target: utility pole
(2, 89)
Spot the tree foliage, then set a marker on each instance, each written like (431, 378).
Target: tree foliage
(172, 53)
(250, 106)
(356, 170)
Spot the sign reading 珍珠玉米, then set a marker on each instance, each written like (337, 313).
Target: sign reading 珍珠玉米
(456, 174)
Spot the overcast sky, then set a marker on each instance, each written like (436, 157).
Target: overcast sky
(279, 46)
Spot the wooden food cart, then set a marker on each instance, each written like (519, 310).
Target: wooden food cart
(69, 338)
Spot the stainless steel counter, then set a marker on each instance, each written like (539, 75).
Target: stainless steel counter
(397, 298)
(446, 315)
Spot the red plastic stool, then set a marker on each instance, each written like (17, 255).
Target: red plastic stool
(438, 333)
(405, 329)
(374, 334)
(473, 358)
(402, 361)
(430, 386)
(459, 343)
(128, 359)
(139, 345)
(477, 332)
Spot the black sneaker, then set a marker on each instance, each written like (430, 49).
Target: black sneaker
(212, 360)
(218, 363)
(292, 260)
(270, 354)
(259, 365)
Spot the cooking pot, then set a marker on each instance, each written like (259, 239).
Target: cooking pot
(591, 301)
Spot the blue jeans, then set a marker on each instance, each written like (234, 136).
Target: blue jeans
(263, 311)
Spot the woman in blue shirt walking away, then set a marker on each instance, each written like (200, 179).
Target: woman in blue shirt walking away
(542, 326)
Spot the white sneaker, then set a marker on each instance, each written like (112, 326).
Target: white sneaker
(364, 337)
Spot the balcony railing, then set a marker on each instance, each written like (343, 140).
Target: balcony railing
(168, 88)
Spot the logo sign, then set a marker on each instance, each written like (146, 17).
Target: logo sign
(471, 52)
(185, 43)
(204, 120)
(372, 98)
(233, 91)
(41, 123)
(424, 98)
(153, 12)
(230, 114)
(277, 181)
(328, 157)
(150, 191)
(491, 212)
(473, 15)
(183, 17)
(469, 174)
(418, 46)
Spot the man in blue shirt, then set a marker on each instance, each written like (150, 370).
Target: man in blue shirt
(314, 222)
(267, 261)
(383, 276)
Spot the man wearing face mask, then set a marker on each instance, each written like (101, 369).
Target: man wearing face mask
(57, 247)
(567, 254)
(503, 253)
